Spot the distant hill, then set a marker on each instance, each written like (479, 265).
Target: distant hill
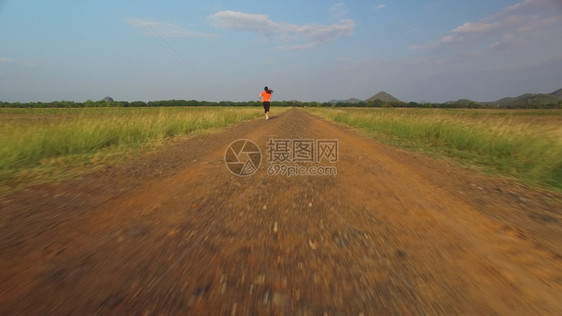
(383, 96)
(522, 101)
(557, 93)
(528, 99)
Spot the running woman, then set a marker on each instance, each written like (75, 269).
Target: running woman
(265, 97)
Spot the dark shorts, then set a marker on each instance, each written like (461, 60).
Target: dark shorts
(266, 105)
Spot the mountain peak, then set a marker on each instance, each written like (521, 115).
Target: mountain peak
(383, 96)
(557, 93)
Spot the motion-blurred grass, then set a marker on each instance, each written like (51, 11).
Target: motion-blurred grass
(526, 144)
(43, 144)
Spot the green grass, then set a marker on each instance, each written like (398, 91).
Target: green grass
(45, 144)
(525, 144)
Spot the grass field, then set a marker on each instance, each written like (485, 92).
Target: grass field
(526, 144)
(49, 144)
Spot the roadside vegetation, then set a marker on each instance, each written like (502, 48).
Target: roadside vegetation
(525, 144)
(47, 144)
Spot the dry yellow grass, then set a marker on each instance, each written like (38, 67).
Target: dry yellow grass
(526, 144)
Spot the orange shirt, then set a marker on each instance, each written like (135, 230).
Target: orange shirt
(266, 96)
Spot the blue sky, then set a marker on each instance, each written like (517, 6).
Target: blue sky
(311, 50)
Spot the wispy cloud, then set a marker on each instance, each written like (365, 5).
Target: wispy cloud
(292, 36)
(21, 63)
(166, 29)
(520, 23)
(5, 60)
(235, 20)
(338, 10)
(380, 6)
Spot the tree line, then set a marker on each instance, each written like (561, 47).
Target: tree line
(192, 103)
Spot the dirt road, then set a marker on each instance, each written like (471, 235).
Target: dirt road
(174, 232)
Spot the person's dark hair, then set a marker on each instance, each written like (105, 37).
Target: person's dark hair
(267, 89)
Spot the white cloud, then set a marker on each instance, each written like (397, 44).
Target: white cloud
(293, 36)
(21, 63)
(166, 29)
(380, 6)
(476, 27)
(317, 33)
(521, 23)
(525, 3)
(338, 10)
(244, 21)
(5, 60)
(447, 39)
